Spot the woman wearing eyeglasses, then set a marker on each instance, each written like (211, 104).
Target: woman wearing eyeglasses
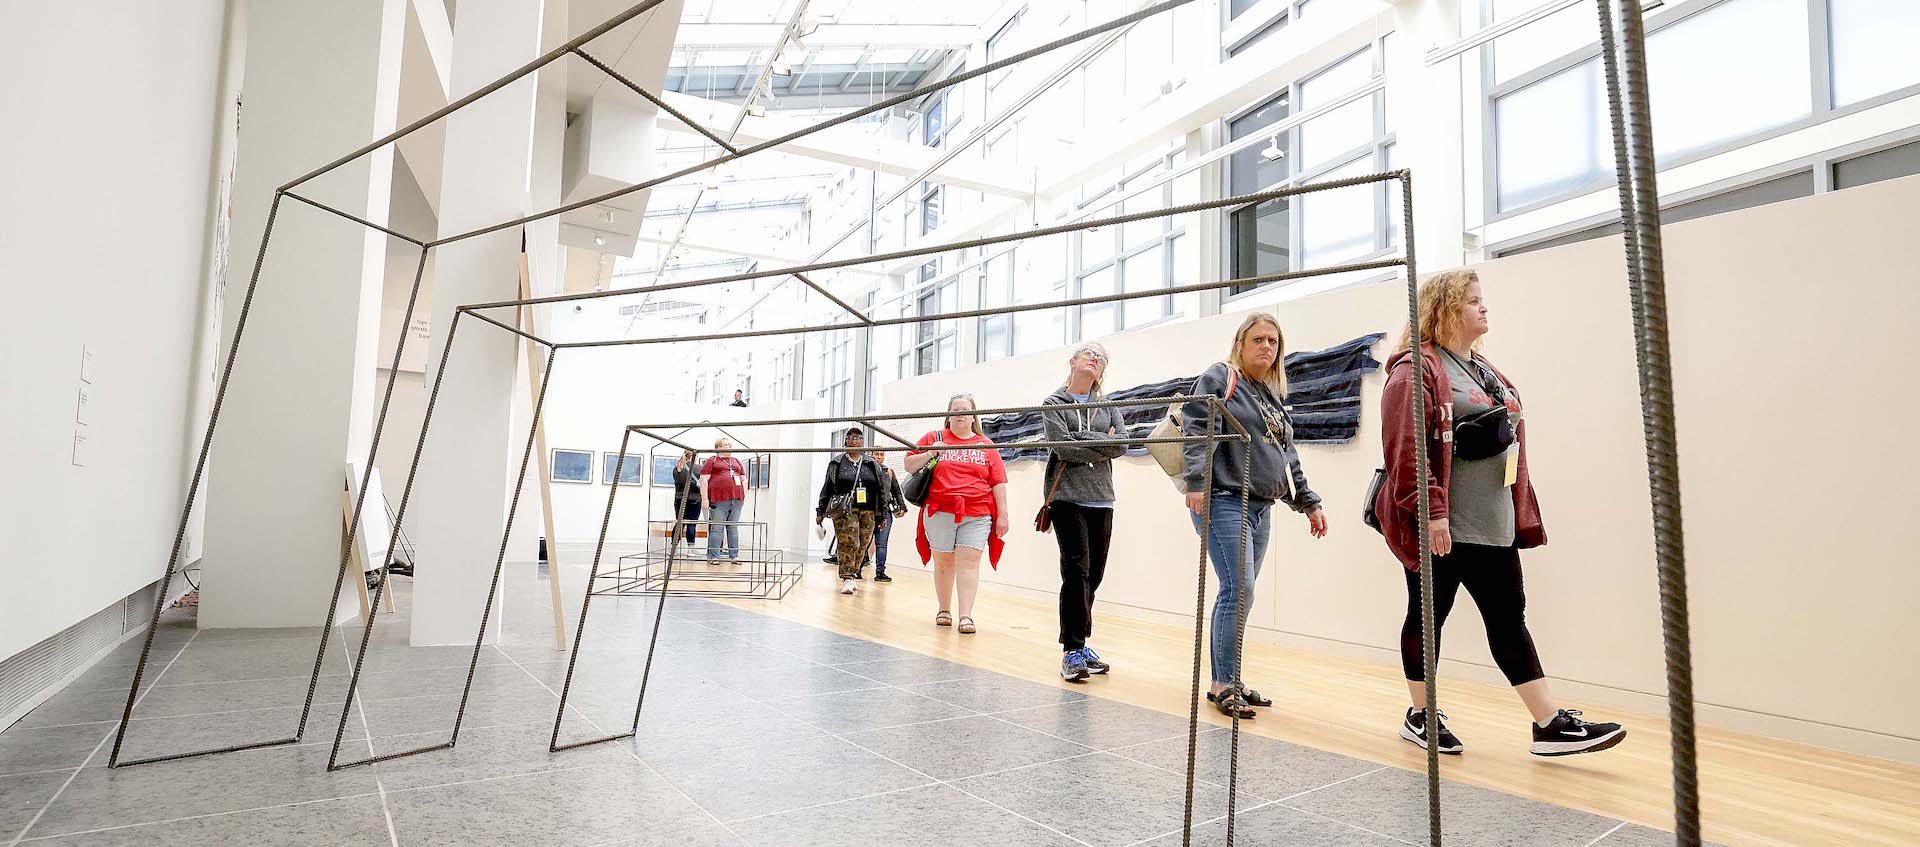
(1482, 507)
(1080, 498)
(1263, 470)
(966, 510)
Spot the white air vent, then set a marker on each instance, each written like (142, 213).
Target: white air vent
(27, 678)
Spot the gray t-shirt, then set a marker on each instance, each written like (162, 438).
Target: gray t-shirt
(1479, 504)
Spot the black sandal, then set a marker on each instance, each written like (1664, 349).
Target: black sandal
(1252, 697)
(1229, 703)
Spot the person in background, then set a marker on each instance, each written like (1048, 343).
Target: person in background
(1079, 495)
(686, 494)
(739, 399)
(1482, 508)
(1251, 382)
(896, 501)
(725, 494)
(966, 509)
(853, 493)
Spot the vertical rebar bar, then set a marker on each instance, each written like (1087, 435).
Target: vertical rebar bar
(193, 488)
(1623, 48)
(586, 595)
(1199, 619)
(1429, 634)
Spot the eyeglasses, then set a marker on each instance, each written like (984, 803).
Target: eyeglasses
(1095, 357)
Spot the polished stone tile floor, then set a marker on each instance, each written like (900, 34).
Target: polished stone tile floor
(756, 731)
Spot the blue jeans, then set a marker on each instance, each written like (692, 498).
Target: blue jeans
(880, 533)
(725, 511)
(1223, 547)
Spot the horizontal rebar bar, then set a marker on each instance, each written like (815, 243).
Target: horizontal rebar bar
(953, 246)
(444, 745)
(231, 749)
(516, 331)
(496, 85)
(949, 82)
(998, 310)
(1168, 400)
(1010, 445)
(555, 748)
(356, 219)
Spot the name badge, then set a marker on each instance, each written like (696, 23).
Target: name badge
(1513, 466)
(860, 495)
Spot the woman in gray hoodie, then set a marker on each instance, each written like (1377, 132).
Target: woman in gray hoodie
(1080, 499)
(1252, 382)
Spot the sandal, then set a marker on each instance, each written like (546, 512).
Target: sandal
(943, 619)
(966, 625)
(1231, 704)
(1252, 697)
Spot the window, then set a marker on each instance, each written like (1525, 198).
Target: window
(931, 197)
(1130, 257)
(933, 124)
(1759, 194)
(996, 290)
(1285, 235)
(1265, 33)
(935, 344)
(1872, 46)
(836, 375)
(1005, 42)
(1235, 7)
(1890, 163)
(1551, 133)
(1040, 276)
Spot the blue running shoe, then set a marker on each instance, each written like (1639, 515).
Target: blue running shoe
(1073, 667)
(1094, 665)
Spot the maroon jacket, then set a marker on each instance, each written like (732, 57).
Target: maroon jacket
(1399, 505)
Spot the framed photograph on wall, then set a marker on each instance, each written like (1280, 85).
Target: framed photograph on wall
(632, 472)
(663, 470)
(760, 472)
(572, 465)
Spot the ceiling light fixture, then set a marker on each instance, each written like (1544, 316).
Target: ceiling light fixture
(754, 109)
(599, 241)
(1273, 152)
(781, 68)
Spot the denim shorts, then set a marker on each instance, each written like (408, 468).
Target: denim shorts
(945, 532)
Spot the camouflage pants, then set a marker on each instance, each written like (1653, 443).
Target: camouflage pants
(852, 532)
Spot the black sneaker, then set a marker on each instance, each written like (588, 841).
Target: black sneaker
(1567, 734)
(1094, 664)
(1414, 729)
(881, 576)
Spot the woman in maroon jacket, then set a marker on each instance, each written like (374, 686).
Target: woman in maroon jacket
(1482, 507)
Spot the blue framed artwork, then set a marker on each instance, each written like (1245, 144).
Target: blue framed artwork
(663, 470)
(572, 465)
(632, 472)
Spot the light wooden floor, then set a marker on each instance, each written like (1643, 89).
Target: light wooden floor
(1756, 791)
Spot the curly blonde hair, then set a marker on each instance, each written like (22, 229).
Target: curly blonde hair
(1442, 298)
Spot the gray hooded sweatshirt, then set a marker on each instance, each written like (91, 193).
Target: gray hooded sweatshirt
(1088, 474)
(1276, 464)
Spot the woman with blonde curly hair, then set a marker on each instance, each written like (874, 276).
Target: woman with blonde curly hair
(1482, 507)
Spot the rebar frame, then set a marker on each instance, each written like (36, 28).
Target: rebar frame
(1215, 406)
(1633, 146)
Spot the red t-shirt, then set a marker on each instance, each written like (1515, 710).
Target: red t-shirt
(963, 481)
(723, 474)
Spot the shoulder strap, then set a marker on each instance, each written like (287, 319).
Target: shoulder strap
(1233, 380)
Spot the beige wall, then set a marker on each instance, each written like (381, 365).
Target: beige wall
(1787, 323)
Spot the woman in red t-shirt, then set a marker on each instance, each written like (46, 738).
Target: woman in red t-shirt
(966, 509)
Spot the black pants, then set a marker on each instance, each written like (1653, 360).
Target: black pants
(1492, 576)
(1084, 535)
(690, 512)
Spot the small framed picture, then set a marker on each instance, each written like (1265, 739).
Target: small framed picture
(632, 471)
(663, 470)
(572, 465)
(760, 472)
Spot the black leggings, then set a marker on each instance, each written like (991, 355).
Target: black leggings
(1084, 534)
(1492, 576)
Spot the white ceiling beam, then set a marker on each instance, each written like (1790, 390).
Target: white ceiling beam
(833, 35)
(748, 250)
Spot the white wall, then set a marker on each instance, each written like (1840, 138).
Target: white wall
(1788, 328)
(108, 168)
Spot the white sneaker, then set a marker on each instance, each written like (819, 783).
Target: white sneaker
(847, 586)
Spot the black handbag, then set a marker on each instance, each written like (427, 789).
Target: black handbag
(920, 484)
(1043, 520)
(1370, 514)
(1486, 434)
